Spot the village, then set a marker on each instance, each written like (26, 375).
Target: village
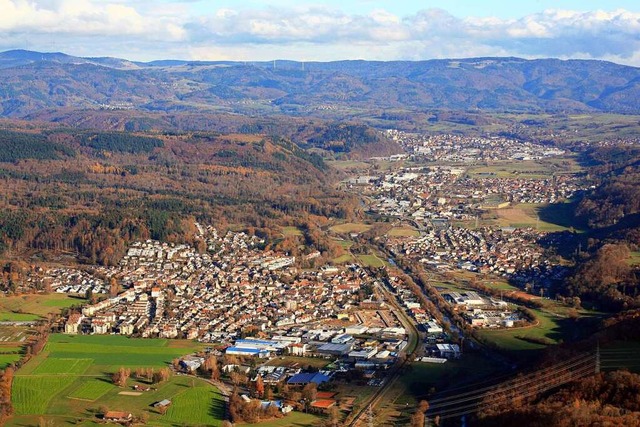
(512, 253)
(449, 148)
(446, 192)
(260, 315)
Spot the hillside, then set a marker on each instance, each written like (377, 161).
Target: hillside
(92, 192)
(33, 81)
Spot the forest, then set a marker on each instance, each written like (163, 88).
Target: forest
(112, 194)
(16, 146)
(121, 142)
(603, 275)
(605, 399)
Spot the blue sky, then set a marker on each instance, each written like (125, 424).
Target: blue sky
(458, 8)
(325, 30)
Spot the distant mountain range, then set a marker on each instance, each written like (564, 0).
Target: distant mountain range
(32, 81)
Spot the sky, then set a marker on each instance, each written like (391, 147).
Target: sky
(327, 30)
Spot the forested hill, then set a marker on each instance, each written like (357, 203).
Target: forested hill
(33, 81)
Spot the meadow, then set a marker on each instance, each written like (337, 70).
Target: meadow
(544, 217)
(37, 305)
(350, 227)
(8, 359)
(403, 232)
(371, 260)
(91, 390)
(70, 381)
(9, 316)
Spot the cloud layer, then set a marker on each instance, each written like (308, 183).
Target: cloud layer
(148, 30)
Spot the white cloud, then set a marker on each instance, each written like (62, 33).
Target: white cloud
(148, 29)
(84, 17)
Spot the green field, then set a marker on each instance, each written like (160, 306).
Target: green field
(32, 394)
(8, 316)
(545, 217)
(11, 348)
(418, 378)
(549, 329)
(343, 259)
(199, 405)
(63, 366)
(403, 232)
(501, 285)
(61, 303)
(348, 164)
(370, 261)
(531, 169)
(8, 359)
(38, 304)
(345, 244)
(350, 227)
(70, 380)
(634, 259)
(108, 350)
(91, 390)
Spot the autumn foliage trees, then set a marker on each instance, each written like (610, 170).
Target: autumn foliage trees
(607, 277)
(250, 411)
(75, 206)
(6, 408)
(604, 399)
(121, 376)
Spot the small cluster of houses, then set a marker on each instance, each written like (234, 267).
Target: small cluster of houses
(73, 281)
(501, 251)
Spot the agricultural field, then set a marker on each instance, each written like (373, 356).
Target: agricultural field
(348, 165)
(91, 390)
(71, 379)
(54, 366)
(198, 405)
(532, 169)
(345, 244)
(554, 325)
(371, 260)
(108, 350)
(12, 343)
(634, 259)
(403, 232)
(37, 304)
(8, 316)
(32, 394)
(7, 359)
(350, 227)
(343, 259)
(549, 217)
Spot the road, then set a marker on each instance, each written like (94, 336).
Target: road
(413, 346)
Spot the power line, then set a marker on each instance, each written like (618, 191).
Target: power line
(558, 375)
(541, 387)
(560, 366)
